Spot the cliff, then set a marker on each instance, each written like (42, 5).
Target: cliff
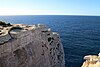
(92, 61)
(30, 46)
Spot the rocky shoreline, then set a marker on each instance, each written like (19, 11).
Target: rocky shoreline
(92, 61)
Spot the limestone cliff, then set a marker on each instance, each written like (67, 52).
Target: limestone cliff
(30, 46)
(91, 61)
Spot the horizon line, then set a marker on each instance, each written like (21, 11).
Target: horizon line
(50, 15)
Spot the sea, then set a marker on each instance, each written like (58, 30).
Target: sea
(80, 35)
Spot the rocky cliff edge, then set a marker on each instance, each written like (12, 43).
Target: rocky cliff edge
(30, 46)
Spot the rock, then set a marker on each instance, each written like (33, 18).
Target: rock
(30, 46)
(91, 61)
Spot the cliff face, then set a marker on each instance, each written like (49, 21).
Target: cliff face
(30, 46)
(91, 61)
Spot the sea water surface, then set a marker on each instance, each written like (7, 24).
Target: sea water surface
(80, 35)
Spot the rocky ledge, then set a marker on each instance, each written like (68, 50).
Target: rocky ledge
(9, 31)
(30, 46)
(92, 61)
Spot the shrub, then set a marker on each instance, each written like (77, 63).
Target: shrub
(4, 24)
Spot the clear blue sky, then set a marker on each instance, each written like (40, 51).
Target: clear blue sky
(49, 7)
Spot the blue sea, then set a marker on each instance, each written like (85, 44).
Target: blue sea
(80, 35)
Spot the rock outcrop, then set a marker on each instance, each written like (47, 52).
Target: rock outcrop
(30, 46)
(92, 61)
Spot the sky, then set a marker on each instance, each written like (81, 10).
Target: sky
(50, 7)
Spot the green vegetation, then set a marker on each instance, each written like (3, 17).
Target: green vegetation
(8, 24)
(4, 24)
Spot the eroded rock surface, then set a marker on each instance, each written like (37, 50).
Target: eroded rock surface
(92, 61)
(30, 46)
